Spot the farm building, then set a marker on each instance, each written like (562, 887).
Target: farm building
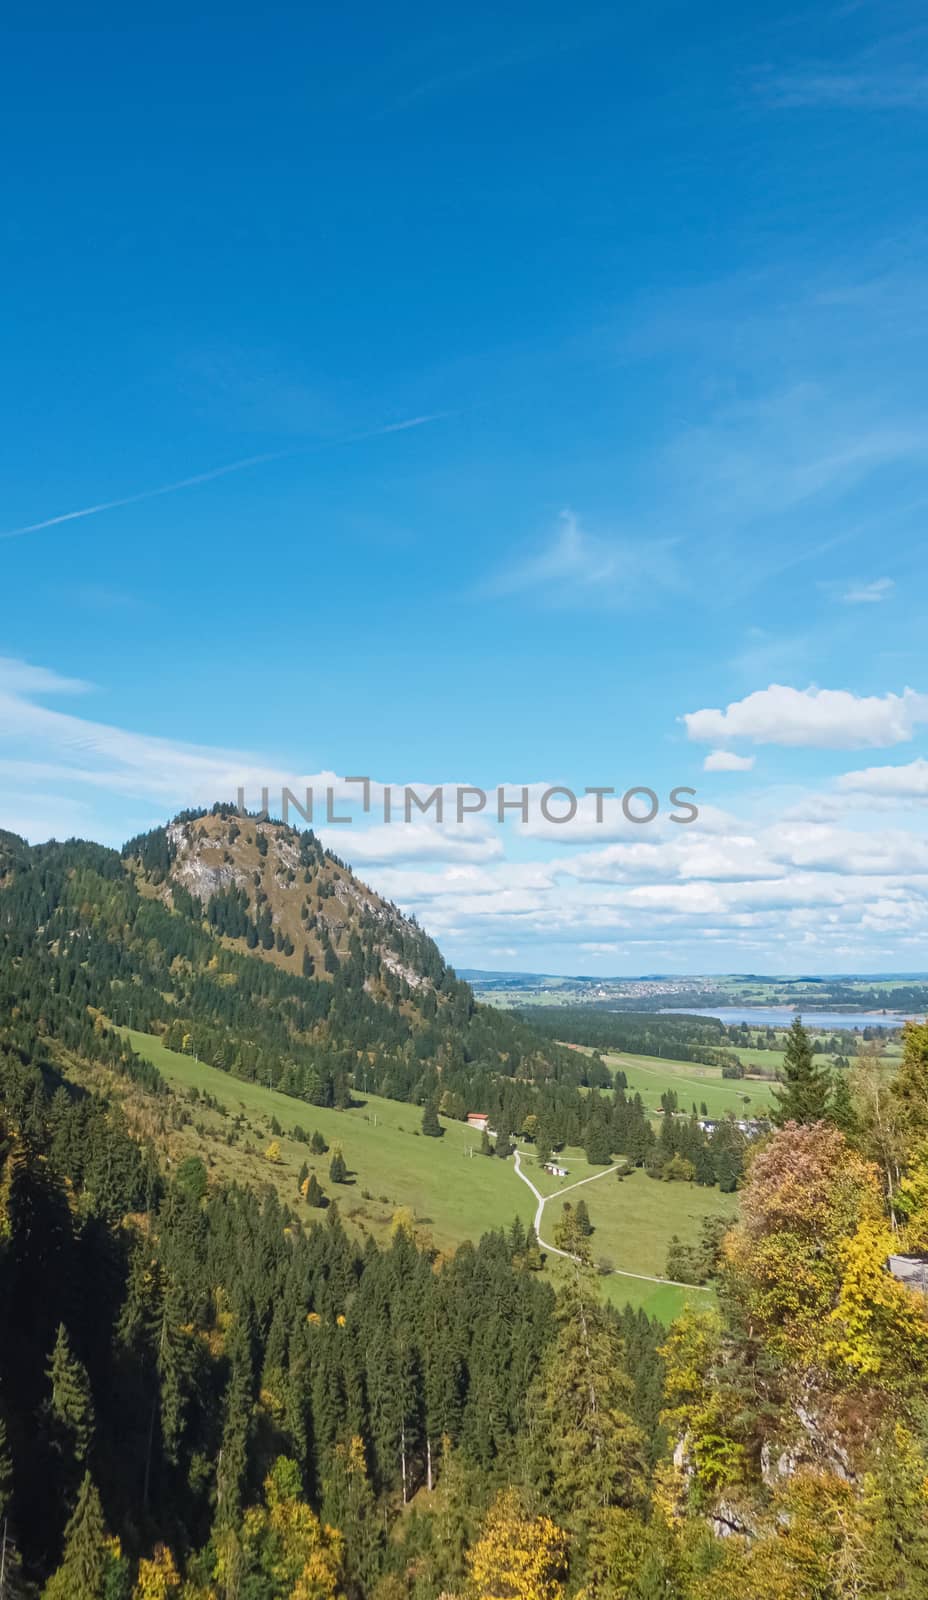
(479, 1120)
(911, 1270)
(555, 1170)
(749, 1126)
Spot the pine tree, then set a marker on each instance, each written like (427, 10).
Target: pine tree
(82, 1574)
(71, 1405)
(843, 1113)
(431, 1126)
(503, 1140)
(338, 1172)
(589, 1455)
(582, 1217)
(805, 1088)
(598, 1151)
(233, 1458)
(317, 1144)
(728, 1166)
(350, 1506)
(315, 1194)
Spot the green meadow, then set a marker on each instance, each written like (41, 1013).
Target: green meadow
(453, 1192)
(692, 1082)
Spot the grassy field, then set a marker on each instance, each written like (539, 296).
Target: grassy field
(454, 1195)
(651, 1075)
(634, 1219)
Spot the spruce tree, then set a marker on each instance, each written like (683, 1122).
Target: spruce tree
(728, 1166)
(315, 1194)
(587, 1454)
(431, 1126)
(805, 1088)
(338, 1172)
(843, 1113)
(233, 1457)
(82, 1574)
(71, 1405)
(598, 1152)
(582, 1218)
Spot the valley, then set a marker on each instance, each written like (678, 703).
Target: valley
(273, 1290)
(452, 1191)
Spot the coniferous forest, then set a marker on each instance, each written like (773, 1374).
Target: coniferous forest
(209, 1396)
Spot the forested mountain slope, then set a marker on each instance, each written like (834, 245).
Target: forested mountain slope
(207, 1395)
(248, 944)
(243, 944)
(204, 1396)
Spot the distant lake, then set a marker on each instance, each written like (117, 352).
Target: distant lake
(782, 1016)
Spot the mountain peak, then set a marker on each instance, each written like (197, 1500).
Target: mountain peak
(266, 887)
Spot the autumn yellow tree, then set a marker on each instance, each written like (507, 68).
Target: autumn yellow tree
(707, 1458)
(284, 1542)
(911, 1202)
(517, 1557)
(879, 1327)
(910, 1085)
(813, 1546)
(158, 1578)
(806, 1192)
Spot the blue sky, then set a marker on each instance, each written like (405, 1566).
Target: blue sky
(568, 365)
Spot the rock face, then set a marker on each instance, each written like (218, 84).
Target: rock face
(809, 1436)
(728, 1519)
(816, 1444)
(199, 866)
(318, 913)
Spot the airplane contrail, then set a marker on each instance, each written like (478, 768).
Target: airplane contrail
(217, 472)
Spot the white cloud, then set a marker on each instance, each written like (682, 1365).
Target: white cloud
(576, 567)
(909, 782)
(22, 678)
(413, 841)
(868, 593)
(727, 761)
(820, 879)
(825, 719)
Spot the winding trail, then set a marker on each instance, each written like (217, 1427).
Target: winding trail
(616, 1272)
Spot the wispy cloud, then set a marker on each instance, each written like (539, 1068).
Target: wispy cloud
(888, 90)
(794, 446)
(210, 476)
(23, 678)
(579, 568)
(789, 885)
(857, 594)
